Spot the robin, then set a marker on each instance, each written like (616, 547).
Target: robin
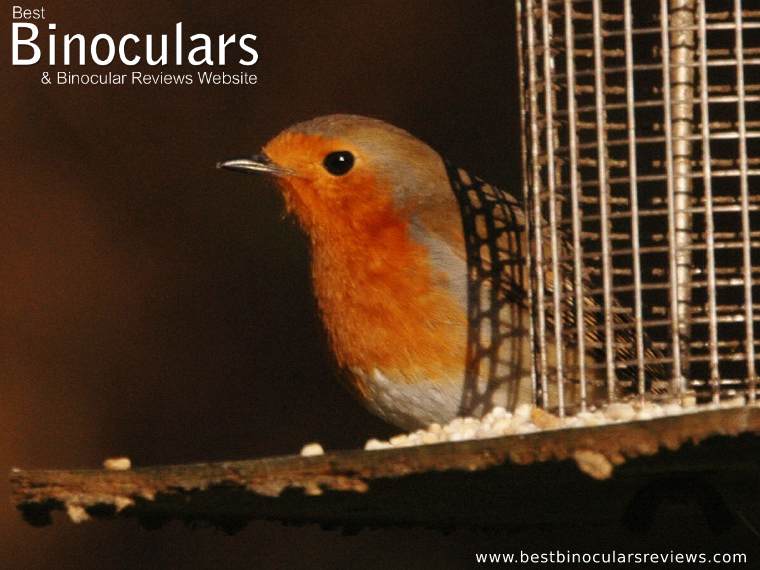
(412, 289)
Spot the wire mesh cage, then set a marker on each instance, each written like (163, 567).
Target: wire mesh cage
(641, 163)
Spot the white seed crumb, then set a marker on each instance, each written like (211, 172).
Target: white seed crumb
(657, 411)
(523, 411)
(312, 449)
(732, 401)
(454, 425)
(398, 440)
(118, 464)
(77, 513)
(672, 409)
(122, 503)
(462, 435)
(499, 412)
(689, 401)
(619, 411)
(313, 490)
(502, 426)
(486, 432)
(593, 463)
(527, 419)
(571, 421)
(428, 438)
(373, 444)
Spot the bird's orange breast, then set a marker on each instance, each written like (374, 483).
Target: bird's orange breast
(383, 308)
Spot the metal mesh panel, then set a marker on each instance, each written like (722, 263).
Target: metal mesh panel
(641, 129)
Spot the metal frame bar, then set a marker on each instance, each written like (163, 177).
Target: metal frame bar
(537, 231)
(575, 189)
(525, 183)
(551, 176)
(749, 321)
(677, 373)
(634, 195)
(601, 135)
(709, 214)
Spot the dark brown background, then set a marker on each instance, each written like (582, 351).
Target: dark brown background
(155, 307)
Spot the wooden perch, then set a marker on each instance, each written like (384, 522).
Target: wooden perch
(508, 481)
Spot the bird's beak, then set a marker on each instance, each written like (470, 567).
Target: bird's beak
(255, 163)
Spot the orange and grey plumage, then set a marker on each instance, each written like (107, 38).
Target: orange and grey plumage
(430, 321)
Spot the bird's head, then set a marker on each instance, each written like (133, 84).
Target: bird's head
(347, 172)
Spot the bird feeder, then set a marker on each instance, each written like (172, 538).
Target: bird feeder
(641, 163)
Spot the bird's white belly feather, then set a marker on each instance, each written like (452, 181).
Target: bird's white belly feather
(411, 405)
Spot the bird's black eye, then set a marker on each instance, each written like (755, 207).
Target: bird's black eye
(339, 162)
